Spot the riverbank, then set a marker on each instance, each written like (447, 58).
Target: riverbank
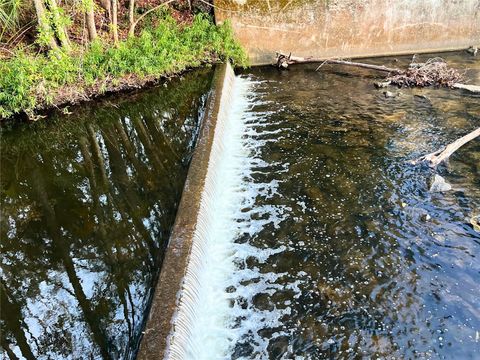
(29, 82)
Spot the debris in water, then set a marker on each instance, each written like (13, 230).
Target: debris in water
(434, 72)
(435, 158)
(382, 84)
(473, 50)
(440, 185)
(425, 217)
(475, 221)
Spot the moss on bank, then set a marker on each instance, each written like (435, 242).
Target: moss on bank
(29, 82)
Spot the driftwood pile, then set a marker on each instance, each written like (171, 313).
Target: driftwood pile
(434, 72)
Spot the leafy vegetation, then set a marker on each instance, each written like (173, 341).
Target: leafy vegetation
(30, 81)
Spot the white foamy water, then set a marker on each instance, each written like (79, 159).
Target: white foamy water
(210, 321)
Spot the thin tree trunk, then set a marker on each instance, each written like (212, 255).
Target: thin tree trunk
(6, 347)
(98, 156)
(114, 21)
(60, 30)
(43, 24)
(107, 5)
(92, 30)
(472, 88)
(131, 16)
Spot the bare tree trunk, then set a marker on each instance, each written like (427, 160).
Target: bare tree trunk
(107, 5)
(114, 21)
(43, 23)
(131, 16)
(92, 30)
(60, 30)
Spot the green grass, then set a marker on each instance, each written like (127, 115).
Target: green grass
(9, 16)
(28, 81)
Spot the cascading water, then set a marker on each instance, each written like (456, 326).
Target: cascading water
(206, 325)
(312, 238)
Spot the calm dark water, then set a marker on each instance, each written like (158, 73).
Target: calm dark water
(88, 202)
(367, 262)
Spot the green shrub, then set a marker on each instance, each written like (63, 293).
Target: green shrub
(27, 80)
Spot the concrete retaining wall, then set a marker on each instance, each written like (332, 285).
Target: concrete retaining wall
(350, 28)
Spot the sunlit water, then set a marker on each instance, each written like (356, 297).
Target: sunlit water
(88, 201)
(342, 251)
(325, 243)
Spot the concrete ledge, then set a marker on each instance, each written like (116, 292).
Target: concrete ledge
(350, 28)
(158, 330)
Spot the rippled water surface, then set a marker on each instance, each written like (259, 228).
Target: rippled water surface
(364, 261)
(88, 201)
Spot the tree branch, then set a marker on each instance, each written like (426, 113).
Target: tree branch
(435, 158)
(472, 88)
(131, 31)
(285, 60)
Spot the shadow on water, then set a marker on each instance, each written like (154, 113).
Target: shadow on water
(88, 202)
(365, 272)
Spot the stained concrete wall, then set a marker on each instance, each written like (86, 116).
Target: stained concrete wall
(350, 28)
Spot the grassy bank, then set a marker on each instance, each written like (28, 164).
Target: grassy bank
(29, 82)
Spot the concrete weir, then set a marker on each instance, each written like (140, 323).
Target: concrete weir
(350, 28)
(179, 289)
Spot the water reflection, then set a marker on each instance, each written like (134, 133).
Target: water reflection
(88, 202)
(365, 272)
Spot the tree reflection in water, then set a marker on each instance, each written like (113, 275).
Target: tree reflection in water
(88, 203)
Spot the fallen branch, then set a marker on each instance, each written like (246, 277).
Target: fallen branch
(434, 72)
(472, 88)
(283, 61)
(435, 158)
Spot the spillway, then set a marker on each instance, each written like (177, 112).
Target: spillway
(305, 233)
(195, 310)
(199, 326)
